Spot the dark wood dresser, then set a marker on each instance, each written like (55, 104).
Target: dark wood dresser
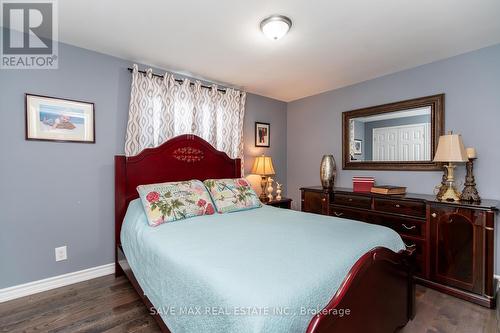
(454, 242)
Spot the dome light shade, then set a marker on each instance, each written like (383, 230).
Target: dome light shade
(276, 26)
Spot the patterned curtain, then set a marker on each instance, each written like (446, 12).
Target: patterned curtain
(162, 108)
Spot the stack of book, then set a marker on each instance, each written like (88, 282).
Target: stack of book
(362, 184)
(388, 189)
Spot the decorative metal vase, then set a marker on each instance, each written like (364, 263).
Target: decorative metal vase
(327, 171)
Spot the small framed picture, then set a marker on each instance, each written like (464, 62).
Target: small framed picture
(358, 147)
(57, 119)
(262, 135)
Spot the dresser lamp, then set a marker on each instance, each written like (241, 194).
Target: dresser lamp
(263, 166)
(450, 150)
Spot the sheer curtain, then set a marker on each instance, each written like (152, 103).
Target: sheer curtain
(162, 108)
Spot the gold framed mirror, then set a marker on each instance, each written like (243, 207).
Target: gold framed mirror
(396, 136)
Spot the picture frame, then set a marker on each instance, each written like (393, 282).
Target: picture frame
(358, 147)
(59, 119)
(262, 134)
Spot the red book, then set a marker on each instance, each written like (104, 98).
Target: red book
(362, 184)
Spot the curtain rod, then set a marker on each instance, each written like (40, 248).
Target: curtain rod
(178, 80)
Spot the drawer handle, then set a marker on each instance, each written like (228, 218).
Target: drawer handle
(338, 214)
(397, 205)
(411, 246)
(409, 228)
(350, 199)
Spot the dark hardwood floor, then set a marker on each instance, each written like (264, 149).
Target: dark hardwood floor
(441, 313)
(111, 305)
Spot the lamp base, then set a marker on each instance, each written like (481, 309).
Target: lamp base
(450, 193)
(263, 183)
(441, 188)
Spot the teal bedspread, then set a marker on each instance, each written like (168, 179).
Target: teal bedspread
(261, 270)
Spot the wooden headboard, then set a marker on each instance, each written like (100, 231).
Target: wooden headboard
(184, 157)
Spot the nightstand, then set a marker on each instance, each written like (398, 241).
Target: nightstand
(283, 203)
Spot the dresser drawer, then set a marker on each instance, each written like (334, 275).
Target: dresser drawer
(403, 226)
(403, 207)
(346, 213)
(419, 246)
(352, 200)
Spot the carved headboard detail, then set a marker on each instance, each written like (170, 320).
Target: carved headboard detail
(188, 154)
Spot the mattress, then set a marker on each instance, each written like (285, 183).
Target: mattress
(261, 270)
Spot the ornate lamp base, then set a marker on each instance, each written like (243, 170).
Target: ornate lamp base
(263, 183)
(442, 187)
(469, 192)
(450, 193)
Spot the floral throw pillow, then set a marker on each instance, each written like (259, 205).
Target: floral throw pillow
(231, 195)
(173, 201)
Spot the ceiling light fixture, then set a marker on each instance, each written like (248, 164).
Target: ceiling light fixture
(276, 26)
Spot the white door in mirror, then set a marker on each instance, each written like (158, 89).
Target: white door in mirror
(61, 253)
(402, 143)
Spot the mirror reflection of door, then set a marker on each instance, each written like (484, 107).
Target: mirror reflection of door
(402, 143)
(394, 136)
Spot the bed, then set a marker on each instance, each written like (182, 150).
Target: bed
(261, 270)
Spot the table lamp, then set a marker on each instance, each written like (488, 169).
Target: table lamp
(450, 150)
(263, 166)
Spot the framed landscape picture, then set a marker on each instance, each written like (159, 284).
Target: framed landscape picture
(262, 135)
(57, 119)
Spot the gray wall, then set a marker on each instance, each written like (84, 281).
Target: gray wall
(471, 83)
(370, 125)
(266, 110)
(55, 194)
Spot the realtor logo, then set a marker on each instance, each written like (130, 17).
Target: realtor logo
(29, 34)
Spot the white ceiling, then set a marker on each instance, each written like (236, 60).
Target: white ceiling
(333, 43)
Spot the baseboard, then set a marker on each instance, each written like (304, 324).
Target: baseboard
(54, 282)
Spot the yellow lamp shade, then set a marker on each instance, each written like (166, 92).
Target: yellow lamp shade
(263, 166)
(451, 149)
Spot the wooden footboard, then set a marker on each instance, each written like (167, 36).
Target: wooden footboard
(377, 296)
